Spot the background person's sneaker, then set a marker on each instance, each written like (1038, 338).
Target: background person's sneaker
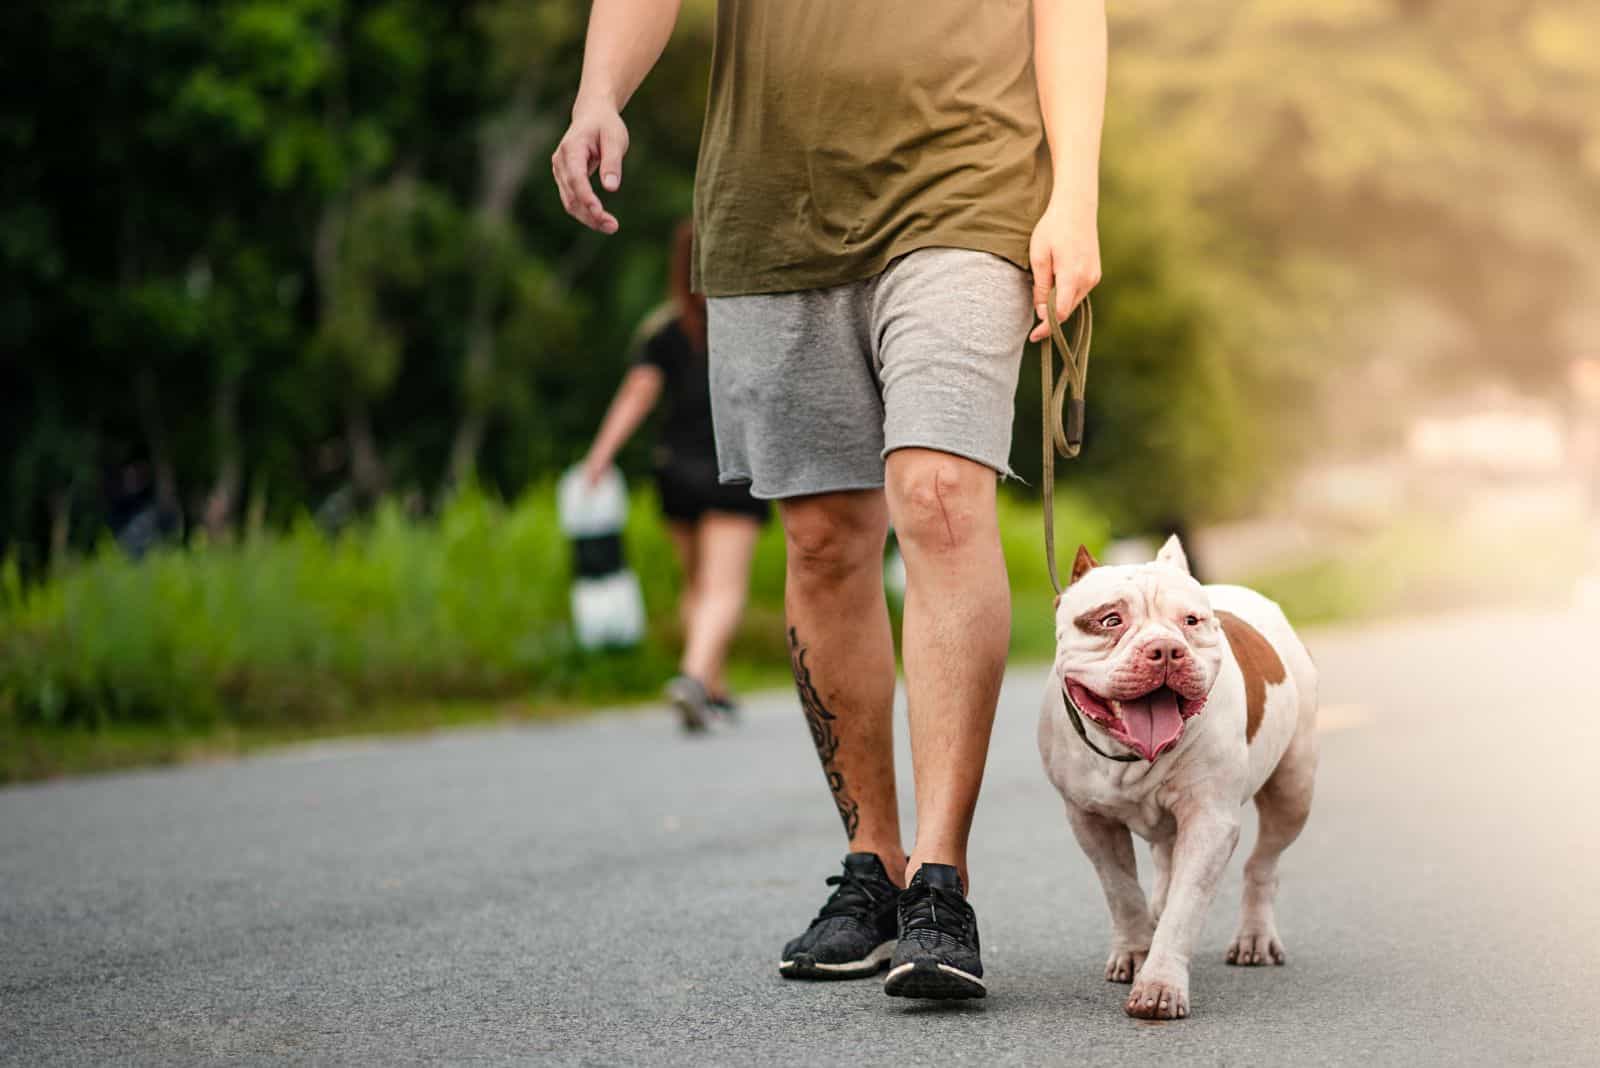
(937, 955)
(853, 936)
(689, 698)
(726, 709)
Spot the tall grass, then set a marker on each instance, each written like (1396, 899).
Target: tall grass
(299, 628)
(405, 624)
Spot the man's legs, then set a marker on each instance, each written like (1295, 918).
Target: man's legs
(956, 633)
(842, 653)
(809, 391)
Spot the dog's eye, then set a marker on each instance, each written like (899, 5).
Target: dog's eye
(1192, 620)
(1111, 621)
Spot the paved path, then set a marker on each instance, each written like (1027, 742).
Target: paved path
(606, 892)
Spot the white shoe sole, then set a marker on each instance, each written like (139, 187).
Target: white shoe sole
(929, 979)
(871, 964)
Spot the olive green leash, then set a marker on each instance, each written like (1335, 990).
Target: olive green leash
(1063, 409)
(1063, 433)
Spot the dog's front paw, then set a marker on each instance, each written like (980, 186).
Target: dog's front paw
(1256, 946)
(1158, 997)
(1124, 964)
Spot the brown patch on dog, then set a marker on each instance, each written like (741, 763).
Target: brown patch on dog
(1089, 622)
(1259, 662)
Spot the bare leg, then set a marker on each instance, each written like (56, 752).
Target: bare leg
(1207, 833)
(842, 653)
(957, 630)
(724, 544)
(685, 548)
(1283, 803)
(1109, 847)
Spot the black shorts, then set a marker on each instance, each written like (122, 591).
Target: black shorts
(685, 497)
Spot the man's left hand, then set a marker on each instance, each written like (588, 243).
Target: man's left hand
(1065, 253)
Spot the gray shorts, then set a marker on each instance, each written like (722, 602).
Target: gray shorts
(811, 390)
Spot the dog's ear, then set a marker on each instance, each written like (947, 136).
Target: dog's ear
(1172, 555)
(1082, 565)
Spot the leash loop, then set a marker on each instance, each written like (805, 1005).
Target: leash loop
(1063, 415)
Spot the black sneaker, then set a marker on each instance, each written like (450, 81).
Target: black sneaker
(853, 936)
(937, 956)
(726, 709)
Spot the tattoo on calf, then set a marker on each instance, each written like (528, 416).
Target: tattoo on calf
(820, 720)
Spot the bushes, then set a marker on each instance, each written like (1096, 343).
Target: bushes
(299, 628)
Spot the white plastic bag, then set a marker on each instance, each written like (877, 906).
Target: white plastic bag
(607, 606)
(590, 511)
(608, 613)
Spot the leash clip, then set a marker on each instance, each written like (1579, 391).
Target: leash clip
(1075, 416)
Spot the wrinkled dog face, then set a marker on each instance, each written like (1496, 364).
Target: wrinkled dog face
(1138, 648)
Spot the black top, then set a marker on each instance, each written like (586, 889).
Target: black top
(686, 440)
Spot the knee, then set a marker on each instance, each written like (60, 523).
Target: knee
(830, 540)
(940, 503)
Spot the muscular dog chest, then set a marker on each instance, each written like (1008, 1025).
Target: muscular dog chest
(1142, 802)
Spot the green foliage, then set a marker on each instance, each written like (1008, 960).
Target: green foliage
(291, 257)
(282, 249)
(302, 629)
(1166, 437)
(275, 249)
(298, 627)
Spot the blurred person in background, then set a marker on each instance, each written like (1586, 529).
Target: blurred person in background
(714, 527)
(876, 184)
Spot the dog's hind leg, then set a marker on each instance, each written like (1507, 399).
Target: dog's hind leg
(1283, 803)
(1109, 846)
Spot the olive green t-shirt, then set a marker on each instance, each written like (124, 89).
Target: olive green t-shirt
(842, 133)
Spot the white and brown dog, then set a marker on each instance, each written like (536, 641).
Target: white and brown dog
(1169, 706)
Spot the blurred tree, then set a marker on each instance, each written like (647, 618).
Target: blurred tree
(288, 251)
(1441, 154)
(525, 38)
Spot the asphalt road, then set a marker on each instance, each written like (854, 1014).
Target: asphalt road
(607, 892)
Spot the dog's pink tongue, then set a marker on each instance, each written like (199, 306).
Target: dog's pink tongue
(1153, 721)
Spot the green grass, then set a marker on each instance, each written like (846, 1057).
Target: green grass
(392, 625)
(399, 625)
(304, 629)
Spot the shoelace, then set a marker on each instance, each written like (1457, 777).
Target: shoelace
(942, 910)
(853, 895)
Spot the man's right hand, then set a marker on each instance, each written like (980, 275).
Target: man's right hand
(596, 141)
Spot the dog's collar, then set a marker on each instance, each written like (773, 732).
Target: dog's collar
(1077, 724)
